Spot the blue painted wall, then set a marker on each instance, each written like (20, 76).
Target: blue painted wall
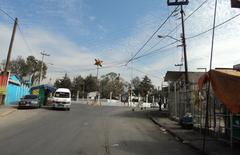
(16, 90)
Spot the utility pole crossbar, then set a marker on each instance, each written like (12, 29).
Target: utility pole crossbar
(43, 55)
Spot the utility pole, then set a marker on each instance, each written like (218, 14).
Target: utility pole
(40, 76)
(11, 45)
(181, 3)
(184, 47)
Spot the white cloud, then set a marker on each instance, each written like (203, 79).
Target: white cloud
(64, 54)
(74, 58)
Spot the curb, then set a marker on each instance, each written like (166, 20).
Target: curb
(180, 139)
(7, 112)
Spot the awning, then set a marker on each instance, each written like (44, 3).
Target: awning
(45, 86)
(226, 86)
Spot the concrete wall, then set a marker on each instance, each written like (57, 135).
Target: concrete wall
(15, 91)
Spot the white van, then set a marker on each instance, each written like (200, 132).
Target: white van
(62, 98)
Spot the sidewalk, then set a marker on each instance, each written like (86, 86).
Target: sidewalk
(192, 138)
(6, 110)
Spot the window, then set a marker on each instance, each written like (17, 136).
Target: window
(62, 94)
(30, 97)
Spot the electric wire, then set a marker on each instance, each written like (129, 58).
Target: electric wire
(150, 38)
(217, 26)
(197, 9)
(157, 50)
(25, 40)
(140, 71)
(194, 36)
(21, 33)
(7, 14)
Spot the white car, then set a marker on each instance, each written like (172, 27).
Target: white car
(62, 99)
(145, 105)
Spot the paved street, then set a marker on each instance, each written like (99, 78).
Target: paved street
(85, 130)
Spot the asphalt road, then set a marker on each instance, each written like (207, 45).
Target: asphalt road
(86, 130)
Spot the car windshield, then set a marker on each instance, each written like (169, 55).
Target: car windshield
(62, 94)
(30, 97)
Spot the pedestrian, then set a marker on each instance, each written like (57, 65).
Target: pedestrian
(160, 105)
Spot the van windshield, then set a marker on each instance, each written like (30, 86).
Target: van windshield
(30, 97)
(62, 94)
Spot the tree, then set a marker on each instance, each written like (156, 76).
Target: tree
(112, 83)
(65, 82)
(18, 66)
(136, 85)
(78, 84)
(34, 68)
(145, 86)
(91, 83)
(30, 66)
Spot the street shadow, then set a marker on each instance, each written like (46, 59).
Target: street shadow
(53, 109)
(157, 113)
(141, 114)
(25, 108)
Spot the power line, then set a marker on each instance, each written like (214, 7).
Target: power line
(7, 14)
(226, 21)
(157, 50)
(197, 35)
(178, 25)
(140, 71)
(21, 33)
(188, 16)
(24, 40)
(151, 36)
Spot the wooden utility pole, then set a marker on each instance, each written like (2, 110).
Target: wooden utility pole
(184, 48)
(11, 45)
(181, 3)
(40, 76)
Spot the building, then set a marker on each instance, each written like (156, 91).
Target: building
(92, 95)
(16, 89)
(177, 95)
(44, 92)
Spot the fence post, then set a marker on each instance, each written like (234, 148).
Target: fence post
(231, 130)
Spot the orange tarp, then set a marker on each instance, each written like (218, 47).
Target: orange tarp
(226, 86)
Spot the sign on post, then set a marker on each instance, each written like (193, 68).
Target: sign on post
(235, 3)
(3, 82)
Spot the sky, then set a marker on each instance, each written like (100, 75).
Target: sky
(75, 32)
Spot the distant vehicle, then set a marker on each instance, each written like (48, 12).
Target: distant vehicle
(154, 105)
(145, 105)
(29, 101)
(62, 99)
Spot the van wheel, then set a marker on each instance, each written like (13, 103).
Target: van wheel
(68, 109)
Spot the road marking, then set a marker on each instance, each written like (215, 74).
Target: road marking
(7, 112)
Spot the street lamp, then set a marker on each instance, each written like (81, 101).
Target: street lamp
(167, 36)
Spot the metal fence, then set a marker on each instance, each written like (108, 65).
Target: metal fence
(221, 124)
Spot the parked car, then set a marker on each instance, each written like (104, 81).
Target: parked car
(29, 101)
(62, 99)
